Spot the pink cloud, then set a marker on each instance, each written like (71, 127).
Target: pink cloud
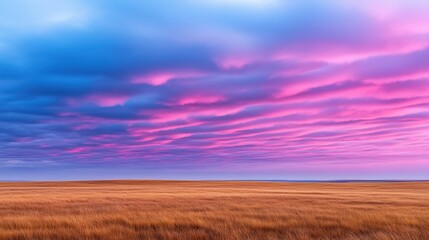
(235, 61)
(200, 99)
(162, 77)
(108, 101)
(102, 100)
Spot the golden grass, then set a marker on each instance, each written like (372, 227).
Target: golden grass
(213, 210)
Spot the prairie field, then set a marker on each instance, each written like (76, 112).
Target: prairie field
(213, 210)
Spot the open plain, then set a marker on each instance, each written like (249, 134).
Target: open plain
(213, 210)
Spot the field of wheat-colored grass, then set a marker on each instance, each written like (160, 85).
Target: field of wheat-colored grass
(213, 210)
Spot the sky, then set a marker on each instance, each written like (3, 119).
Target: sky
(214, 89)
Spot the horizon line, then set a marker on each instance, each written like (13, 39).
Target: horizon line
(227, 180)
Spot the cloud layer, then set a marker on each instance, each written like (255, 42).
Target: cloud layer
(245, 86)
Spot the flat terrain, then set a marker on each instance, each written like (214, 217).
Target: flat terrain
(214, 210)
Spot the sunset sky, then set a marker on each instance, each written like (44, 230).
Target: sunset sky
(214, 89)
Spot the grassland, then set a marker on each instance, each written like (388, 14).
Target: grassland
(213, 210)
